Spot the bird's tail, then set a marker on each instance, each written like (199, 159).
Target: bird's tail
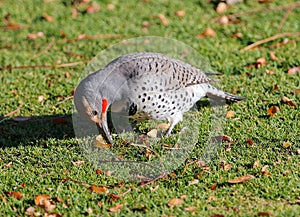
(213, 92)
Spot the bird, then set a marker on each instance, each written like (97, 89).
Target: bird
(146, 85)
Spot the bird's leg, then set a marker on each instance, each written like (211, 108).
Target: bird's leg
(175, 119)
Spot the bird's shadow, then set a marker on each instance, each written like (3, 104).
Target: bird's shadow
(27, 130)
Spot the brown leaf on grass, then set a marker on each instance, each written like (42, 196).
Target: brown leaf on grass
(250, 142)
(116, 208)
(190, 208)
(110, 7)
(41, 98)
(208, 32)
(288, 101)
(273, 110)
(297, 91)
(230, 114)
(194, 181)
(31, 211)
(154, 188)
(113, 197)
(225, 166)
(286, 144)
(163, 126)
(163, 19)
(67, 75)
(180, 13)
(92, 9)
(15, 194)
(8, 165)
(98, 189)
(256, 164)
(33, 36)
(294, 70)
(214, 186)
(44, 201)
(47, 17)
(261, 62)
(175, 202)
(74, 12)
(145, 24)
(217, 215)
(264, 171)
(221, 8)
(263, 214)
(78, 162)
(273, 57)
(270, 72)
(241, 179)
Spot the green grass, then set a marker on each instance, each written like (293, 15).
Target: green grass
(42, 151)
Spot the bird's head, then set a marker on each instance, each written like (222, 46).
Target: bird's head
(92, 105)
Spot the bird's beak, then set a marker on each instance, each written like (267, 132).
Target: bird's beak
(103, 121)
(104, 127)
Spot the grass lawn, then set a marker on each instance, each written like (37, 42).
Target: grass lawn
(43, 50)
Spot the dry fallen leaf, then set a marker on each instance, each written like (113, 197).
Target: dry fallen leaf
(256, 164)
(250, 142)
(294, 70)
(273, 57)
(92, 9)
(264, 171)
(47, 17)
(8, 165)
(34, 36)
(286, 144)
(163, 126)
(208, 32)
(180, 13)
(110, 7)
(78, 162)
(297, 91)
(155, 188)
(15, 194)
(116, 208)
(163, 19)
(230, 114)
(44, 201)
(263, 214)
(98, 189)
(214, 186)
(30, 211)
(152, 133)
(273, 110)
(221, 8)
(261, 62)
(270, 72)
(193, 182)
(241, 179)
(41, 98)
(191, 208)
(175, 202)
(224, 20)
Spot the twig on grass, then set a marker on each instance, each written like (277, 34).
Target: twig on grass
(12, 113)
(44, 66)
(49, 46)
(64, 100)
(89, 37)
(272, 38)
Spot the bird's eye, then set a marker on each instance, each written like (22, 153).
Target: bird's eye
(94, 113)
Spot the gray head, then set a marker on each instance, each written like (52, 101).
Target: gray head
(97, 92)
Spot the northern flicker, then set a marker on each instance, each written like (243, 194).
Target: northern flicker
(147, 85)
